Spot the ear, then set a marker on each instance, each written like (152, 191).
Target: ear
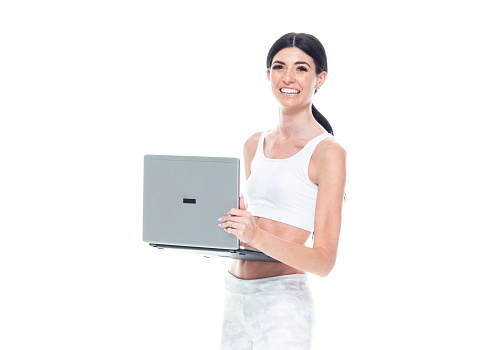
(268, 74)
(321, 79)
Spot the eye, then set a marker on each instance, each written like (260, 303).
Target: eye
(302, 69)
(277, 67)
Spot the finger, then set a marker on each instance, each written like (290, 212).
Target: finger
(226, 218)
(229, 230)
(235, 228)
(236, 212)
(226, 224)
(242, 204)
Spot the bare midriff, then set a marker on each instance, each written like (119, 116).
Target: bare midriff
(252, 269)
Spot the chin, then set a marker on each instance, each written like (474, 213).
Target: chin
(293, 104)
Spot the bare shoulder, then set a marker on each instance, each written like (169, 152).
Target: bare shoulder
(251, 144)
(329, 149)
(250, 147)
(328, 160)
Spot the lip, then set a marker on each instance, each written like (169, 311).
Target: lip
(289, 91)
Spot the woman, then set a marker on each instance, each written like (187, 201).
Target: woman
(295, 187)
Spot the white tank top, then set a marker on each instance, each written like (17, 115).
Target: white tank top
(280, 189)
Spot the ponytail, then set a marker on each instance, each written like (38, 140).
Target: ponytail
(321, 120)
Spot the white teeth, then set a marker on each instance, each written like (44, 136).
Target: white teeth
(289, 91)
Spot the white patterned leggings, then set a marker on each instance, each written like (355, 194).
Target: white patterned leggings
(268, 313)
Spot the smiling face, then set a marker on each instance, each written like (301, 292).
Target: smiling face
(293, 78)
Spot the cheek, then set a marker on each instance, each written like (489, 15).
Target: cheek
(308, 81)
(274, 77)
(274, 82)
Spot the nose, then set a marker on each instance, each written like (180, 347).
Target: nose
(288, 77)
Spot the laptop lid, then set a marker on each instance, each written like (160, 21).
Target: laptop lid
(183, 198)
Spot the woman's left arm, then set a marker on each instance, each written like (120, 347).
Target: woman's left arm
(329, 174)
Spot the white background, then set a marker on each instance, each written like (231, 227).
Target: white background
(89, 87)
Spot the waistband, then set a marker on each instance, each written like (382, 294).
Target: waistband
(294, 282)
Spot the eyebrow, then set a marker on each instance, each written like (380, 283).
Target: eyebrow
(298, 62)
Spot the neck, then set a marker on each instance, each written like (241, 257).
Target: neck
(297, 123)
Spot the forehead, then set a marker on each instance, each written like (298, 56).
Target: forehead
(293, 54)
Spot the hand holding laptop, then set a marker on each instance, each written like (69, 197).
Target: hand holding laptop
(240, 223)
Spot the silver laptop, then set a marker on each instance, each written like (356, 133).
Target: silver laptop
(182, 200)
